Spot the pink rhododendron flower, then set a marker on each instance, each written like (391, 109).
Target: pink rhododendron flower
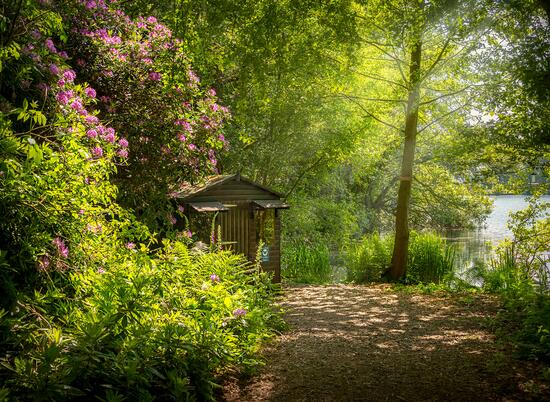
(63, 55)
(63, 97)
(54, 69)
(181, 208)
(100, 270)
(97, 151)
(69, 75)
(182, 138)
(239, 312)
(50, 45)
(192, 147)
(154, 76)
(91, 133)
(214, 278)
(61, 82)
(43, 262)
(89, 91)
(123, 142)
(109, 137)
(130, 245)
(92, 119)
(76, 105)
(172, 219)
(193, 77)
(123, 153)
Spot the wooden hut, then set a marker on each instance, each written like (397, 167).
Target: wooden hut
(248, 214)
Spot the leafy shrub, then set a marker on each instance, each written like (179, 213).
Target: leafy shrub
(145, 326)
(305, 263)
(367, 259)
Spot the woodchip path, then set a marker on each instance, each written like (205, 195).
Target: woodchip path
(370, 343)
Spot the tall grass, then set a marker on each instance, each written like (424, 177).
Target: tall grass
(430, 258)
(367, 259)
(306, 263)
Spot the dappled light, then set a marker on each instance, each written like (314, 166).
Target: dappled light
(370, 343)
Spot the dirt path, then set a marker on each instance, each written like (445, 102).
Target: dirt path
(368, 343)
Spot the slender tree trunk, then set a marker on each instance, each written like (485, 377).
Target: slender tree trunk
(401, 244)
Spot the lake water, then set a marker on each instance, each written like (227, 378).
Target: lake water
(476, 244)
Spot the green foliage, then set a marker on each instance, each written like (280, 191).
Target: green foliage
(367, 259)
(91, 305)
(518, 272)
(430, 258)
(306, 262)
(146, 326)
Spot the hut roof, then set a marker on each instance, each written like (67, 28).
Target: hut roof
(187, 191)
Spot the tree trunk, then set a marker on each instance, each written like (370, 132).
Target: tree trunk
(401, 244)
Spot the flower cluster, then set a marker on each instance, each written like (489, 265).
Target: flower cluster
(62, 249)
(73, 101)
(239, 312)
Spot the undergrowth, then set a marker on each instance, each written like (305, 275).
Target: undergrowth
(430, 258)
(306, 263)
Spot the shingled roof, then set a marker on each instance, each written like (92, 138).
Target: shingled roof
(187, 190)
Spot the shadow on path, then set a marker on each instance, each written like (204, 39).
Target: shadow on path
(368, 343)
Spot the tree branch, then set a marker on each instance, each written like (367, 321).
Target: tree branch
(445, 95)
(371, 114)
(439, 56)
(372, 99)
(442, 117)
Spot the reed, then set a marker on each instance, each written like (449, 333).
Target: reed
(306, 263)
(430, 258)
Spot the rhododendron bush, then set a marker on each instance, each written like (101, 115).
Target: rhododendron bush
(93, 109)
(147, 89)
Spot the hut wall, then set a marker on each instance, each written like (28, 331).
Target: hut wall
(234, 226)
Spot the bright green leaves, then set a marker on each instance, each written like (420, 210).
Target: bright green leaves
(11, 51)
(29, 112)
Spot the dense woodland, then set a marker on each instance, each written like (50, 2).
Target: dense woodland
(383, 124)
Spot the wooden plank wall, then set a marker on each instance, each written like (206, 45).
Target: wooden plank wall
(274, 264)
(235, 227)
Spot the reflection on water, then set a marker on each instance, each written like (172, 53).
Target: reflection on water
(475, 245)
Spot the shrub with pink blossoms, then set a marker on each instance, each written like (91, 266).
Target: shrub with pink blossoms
(150, 95)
